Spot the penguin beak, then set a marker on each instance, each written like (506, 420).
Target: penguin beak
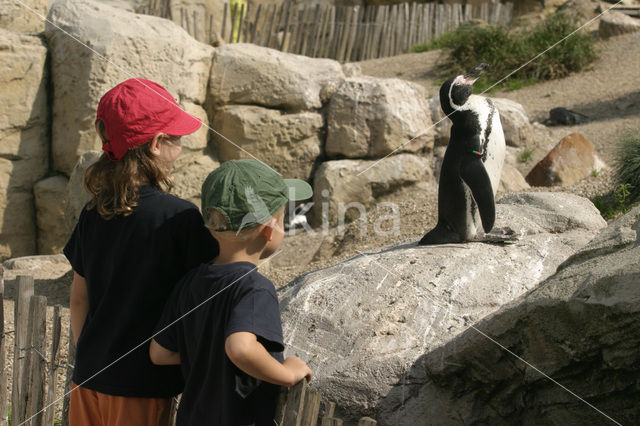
(472, 75)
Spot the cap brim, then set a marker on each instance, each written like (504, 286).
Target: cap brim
(298, 189)
(184, 124)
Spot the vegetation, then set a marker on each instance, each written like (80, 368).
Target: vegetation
(506, 52)
(627, 173)
(525, 155)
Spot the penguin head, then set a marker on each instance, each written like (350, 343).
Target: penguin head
(455, 91)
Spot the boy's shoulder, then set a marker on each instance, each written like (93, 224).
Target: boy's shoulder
(240, 273)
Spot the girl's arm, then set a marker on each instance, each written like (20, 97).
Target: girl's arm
(78, 304)
(161, 356)
(244, 350)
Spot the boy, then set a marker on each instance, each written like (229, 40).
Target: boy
(222, 322)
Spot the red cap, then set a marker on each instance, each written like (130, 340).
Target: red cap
(135, 111)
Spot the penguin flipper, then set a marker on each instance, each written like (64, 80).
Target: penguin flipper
(474, 174)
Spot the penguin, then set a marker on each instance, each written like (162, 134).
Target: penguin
(472, 164)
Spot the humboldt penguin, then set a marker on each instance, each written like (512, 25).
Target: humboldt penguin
(472, 163)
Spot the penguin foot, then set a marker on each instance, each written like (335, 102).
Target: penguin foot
(439, 235)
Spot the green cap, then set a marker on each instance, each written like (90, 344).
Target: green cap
(248, 192)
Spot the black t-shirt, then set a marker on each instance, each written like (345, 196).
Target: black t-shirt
(131, 264)
(209, 304)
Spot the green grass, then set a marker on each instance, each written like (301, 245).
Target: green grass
(505, 52)
(525, 155)
(627, 163)
(627, 175)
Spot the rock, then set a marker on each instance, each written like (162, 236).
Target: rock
(196, 141)
(189, 171)
(340, 184)
(50, 199)
(351, 70)
(579, 326)
(290, 143)
(441, 124)
(511, 180)
(249, 74)
(371, 117)
(124, 45)
(24, 151)
(366, 323)
(52, 277)
(77, 196)
(22, 17)
(617, 23)
(515, 123)
(572, 159)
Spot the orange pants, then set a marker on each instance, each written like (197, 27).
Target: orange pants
(91, 408)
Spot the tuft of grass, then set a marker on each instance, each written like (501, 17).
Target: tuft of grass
(399, 74)
(525, 155)
(505, 52)
(627, 163)
(627, 175)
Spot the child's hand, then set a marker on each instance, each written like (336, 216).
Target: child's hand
(299, 368)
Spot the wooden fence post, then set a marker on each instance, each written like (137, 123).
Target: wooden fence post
(24, 292)
(3, 373)
(71, 359)
(53, 365)
(34, 377)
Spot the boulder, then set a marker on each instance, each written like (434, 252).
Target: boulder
(77, 196)
(122, 45)
(617, 23)
(51, 199)
(25, 16)
(512, 180)
(371, 117)
(579, 327)
(189, 171)
(290, 143)
(365, 324)
(24, 151)
(515, 122)
(441, 124)
(572, 159)
(249, 74)
(341, 186)
(52, 276)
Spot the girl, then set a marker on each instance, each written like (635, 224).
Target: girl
(132, 243)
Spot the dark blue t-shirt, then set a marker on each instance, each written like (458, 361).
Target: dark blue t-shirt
(209, 304)
(131, 264)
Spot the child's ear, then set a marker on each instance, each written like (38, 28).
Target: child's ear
(267, 231)
(154, 145)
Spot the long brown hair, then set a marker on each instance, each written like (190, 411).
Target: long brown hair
(115, 185)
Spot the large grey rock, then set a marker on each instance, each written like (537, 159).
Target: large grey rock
(617, 23)
(77, 196)
(371, 117)
(24, 150)
(123, 45)
(290, 143)
(189, 171)
(249, 74)
(340, 185)
(25, 16)
(366, 323)
(515, 122)
(51, 199)
(578, 327)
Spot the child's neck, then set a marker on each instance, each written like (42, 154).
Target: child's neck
(231, 255)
